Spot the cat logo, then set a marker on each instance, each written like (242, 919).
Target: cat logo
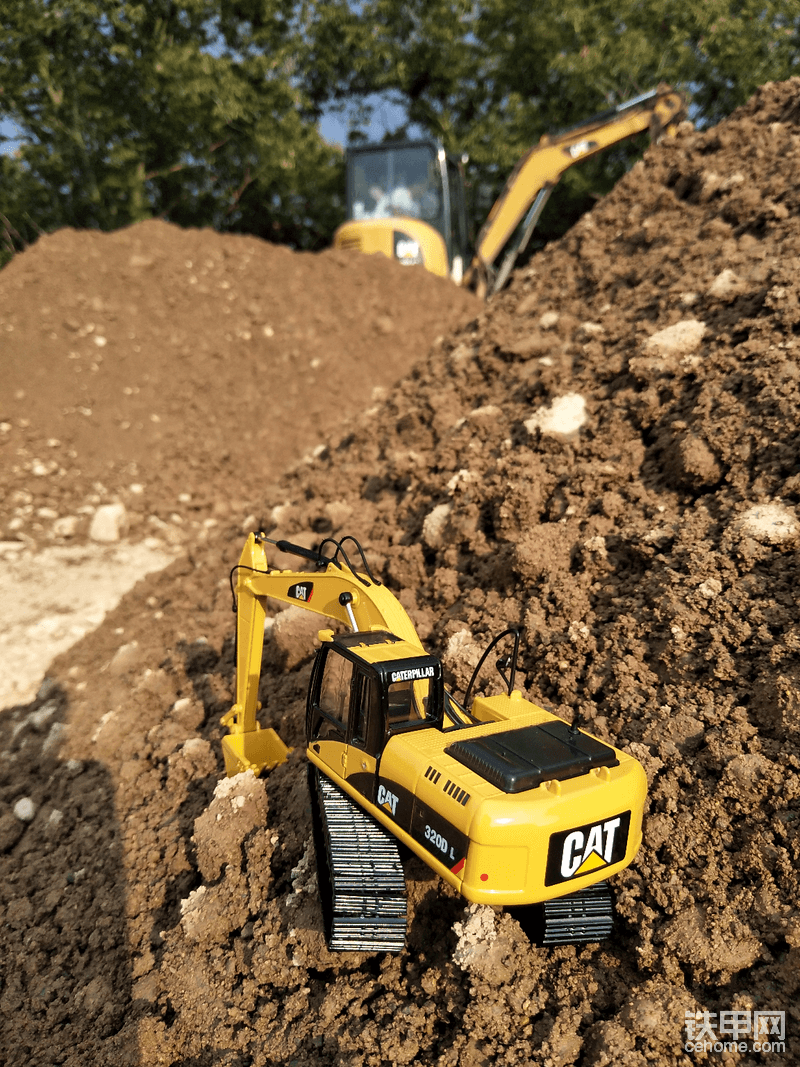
(302, 591)
(574, 853)
(387, 799)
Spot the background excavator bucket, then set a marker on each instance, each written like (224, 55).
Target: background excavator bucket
(259, 750)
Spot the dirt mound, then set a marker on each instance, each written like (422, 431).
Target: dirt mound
(606, 455)
(173, 370)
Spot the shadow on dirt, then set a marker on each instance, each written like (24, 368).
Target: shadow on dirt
(65, 969)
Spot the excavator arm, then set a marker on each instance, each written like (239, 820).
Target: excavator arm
(333, 590)
(540, 169)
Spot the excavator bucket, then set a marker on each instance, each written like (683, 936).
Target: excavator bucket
(256, 750)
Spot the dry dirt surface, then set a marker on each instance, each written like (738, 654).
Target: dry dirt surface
(606, 455)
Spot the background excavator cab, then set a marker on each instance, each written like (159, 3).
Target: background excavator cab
(407, 201)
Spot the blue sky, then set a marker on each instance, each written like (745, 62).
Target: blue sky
(333, 125)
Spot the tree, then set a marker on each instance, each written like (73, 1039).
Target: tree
(190, 111)
(204, 112)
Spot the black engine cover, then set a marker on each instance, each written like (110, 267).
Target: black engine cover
(521, 759)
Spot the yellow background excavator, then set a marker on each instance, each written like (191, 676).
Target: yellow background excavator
(407, 199)
(503, 800)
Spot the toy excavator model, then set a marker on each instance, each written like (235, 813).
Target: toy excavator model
(407, 199)
(506, 802)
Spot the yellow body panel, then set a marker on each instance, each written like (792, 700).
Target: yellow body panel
(377, 235)
(509, 835)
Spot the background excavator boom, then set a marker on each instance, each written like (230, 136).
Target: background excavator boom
(540, 169)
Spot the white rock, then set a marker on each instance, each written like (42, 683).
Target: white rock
(434, 525)
(549, 319)
(25, 809)
(563, 417)
(771, 524)
(191, 912)
(475, 935)
(485, 411)
(591, 329)
(726, 285)
(108, 523)
(66, 526)
(52, 743)
(462, 649)
(710, 588)
(677, 340)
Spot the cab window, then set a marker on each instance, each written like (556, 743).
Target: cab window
(366, 717)
(409, 702)
(334, 697)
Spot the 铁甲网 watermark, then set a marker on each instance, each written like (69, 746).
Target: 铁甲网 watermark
(729, 1031)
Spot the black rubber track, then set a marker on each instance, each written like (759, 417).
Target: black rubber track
(578, 918)
(361, 879)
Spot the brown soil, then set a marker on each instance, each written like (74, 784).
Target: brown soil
(651, 557)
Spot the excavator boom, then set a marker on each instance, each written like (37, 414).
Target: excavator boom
(540, 169)
(333, 590)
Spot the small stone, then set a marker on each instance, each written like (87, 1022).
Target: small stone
(58, 732)
(434, 525)
(726, 285)
(769, 524)
(188, 712)
(66, 526)
(562, 418)
(124, 659)
(108, 523)
(24, 809)
(678, 340)
(710, 588)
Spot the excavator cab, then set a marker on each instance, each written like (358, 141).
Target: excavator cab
(365, 688)
(406, 199)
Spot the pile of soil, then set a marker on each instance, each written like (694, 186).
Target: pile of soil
(173, 370)
(606, 455)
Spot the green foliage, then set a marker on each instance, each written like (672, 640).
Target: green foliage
(204, 112)
(490, 78)
(127, 114)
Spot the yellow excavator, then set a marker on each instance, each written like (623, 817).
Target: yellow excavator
(407, 200)
(509, 804)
